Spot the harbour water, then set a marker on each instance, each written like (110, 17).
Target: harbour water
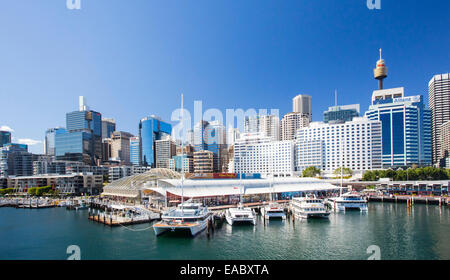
(401, 233)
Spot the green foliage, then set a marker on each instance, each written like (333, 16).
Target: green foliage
(346, 171)
(411, 174)
(39, 191)
(311, 172)
(6, 191)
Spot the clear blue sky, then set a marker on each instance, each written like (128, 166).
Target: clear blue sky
(134, 58)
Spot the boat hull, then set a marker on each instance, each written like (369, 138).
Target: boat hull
(192, 228)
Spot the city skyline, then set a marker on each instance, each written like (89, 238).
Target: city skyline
(275, 55)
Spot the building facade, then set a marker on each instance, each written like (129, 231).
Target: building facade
(120, 146)
(5, 138)
(268, 125)
(203, 162)
(302, 104)
(151, 129)
(182, 163)
(135, 153)
(406, 127)
(439, 102)
(165, 150)
(355, 144)
(291, 123)
(15, 160)
(108, 127)
(445, 144)
(341, 113)
(50, 140)
(257, 153)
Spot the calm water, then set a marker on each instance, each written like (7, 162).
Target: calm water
(423, 233)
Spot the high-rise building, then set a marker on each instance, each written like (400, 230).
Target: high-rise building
(165, 150)
(15, 160)
(269, 125)
(106, 149)
(135, 154)
(211, 136)
(292, 122)
(341, 113)
(444, 144)
(83, 139)
(439, 101)
(151, 129)
(257, 153)
(120, 146)
(182, 163)
(232, 135)
(5, 138)
(203, 162)
(108, 127)
(50, 138)
(302, 104)
(406, 127)
(354, 144)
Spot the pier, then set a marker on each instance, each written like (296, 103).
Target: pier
(410, 199)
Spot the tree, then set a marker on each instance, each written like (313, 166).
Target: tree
(311, 171)
(346, 171)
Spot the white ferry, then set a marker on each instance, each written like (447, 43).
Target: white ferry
(192, 217)
(240, 214)
(273, 211)
(348, 201)
(308, 207)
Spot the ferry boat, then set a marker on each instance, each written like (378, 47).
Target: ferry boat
(348, 201)
(240, 214)
(308, 207)
(273, 211)
(191, 217)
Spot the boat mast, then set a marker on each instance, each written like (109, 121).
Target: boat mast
(342, 165)
(182, 153)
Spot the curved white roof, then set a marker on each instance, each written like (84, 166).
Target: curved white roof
(221, 187)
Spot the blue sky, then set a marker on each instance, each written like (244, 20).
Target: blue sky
(134, 58)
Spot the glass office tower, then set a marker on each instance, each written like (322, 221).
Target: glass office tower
(341, 114)
(5, 138)
(49, 141)
(151, 129)
(406, 127)
(135, 154)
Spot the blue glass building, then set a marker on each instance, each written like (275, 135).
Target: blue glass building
(5, 138)
(151, 129)
(83, 139)
(341, 113)
(50, 138)
(135, 154)
(406, 127)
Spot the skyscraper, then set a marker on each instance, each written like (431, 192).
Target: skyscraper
(83, 139)
(151, 129)
(108, 127)
(291, 123)
(49, 141)
(341, 113)
(439, 101)
(135, 154)
(302, 104)
(165, 150)
(406, 127)
(5, 138)
(120, 146)
(269, 125)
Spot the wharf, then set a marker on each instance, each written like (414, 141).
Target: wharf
(103, 219)
(433, 200)
(251, 205)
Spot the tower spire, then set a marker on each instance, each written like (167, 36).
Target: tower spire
(380, 72)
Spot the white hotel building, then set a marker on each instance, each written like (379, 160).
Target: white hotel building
(354, 144)
(257, 153)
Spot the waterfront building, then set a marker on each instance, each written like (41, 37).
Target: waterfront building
(268, 125)
(302, 104)
(5, 138)
(406, 127)
(354, 144)
(15, 160)
(50, 138)
(257, 153)
(203, 162)
(341, 113)
(108, 127)
(151, 129)
(41, 167)
(118, 172)
(82, 140)
(182, 163)
(292, 122)
(68, 184)
(120, 147)
(135, 155)
(439, 102)
(165, 150)
(445, 144)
